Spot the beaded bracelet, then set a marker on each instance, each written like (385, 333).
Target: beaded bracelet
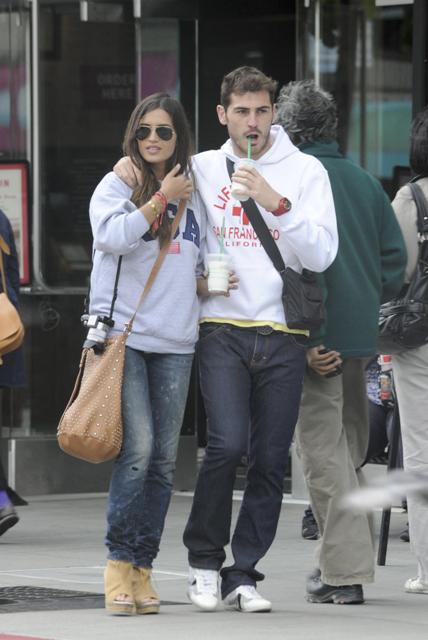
(159, 195)
(162, 197)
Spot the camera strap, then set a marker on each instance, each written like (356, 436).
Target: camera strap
(115, 289)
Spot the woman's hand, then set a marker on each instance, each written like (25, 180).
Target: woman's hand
(176, 186)
(128, 172)
(258, 188)
(322, 363)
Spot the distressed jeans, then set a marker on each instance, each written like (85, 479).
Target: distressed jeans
(251, 382)
(154, 395)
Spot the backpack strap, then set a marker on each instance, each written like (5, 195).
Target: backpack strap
(421, 208)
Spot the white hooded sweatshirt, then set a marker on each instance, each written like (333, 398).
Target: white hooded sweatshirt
(306, 236)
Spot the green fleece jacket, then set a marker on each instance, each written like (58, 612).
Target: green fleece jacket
(370, 263)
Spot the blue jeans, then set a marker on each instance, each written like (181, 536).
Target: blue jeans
(251, 384)
(154, 395)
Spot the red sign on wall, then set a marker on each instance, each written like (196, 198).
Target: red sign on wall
(14, 185)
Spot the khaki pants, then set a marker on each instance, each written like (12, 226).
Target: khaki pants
(411, 384)
(332, 438)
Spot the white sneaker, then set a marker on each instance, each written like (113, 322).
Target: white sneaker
(203, 589)
(246, 598)
(415, 585)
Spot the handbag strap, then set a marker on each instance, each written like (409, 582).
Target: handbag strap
(4, 247)
(157, 265)
(421, 207)
(261, 228)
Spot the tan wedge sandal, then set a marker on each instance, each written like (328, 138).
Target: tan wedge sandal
(118, 582)
(146, 598)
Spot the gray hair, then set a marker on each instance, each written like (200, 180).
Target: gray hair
(307, 113)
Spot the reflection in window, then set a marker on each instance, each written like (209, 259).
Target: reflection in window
(87, 92)
(158, 57)
(13, 81)
(363, 55)
(89, 82)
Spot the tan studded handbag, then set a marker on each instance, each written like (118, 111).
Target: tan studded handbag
(91, 426)
(11, 328)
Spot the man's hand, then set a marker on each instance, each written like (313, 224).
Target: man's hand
(233, 283)
(202, 285)
(258, 188)
(322, 363)
(128, 172)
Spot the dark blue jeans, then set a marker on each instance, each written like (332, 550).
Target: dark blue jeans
(251, 384)
(154, 397)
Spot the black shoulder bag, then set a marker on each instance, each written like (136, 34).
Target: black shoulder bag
(302, 297)
(403, 321)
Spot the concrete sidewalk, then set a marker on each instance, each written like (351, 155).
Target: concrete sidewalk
(57, 549)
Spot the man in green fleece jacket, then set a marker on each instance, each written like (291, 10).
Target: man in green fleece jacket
(333, 428)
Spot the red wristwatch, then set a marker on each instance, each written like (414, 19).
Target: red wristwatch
(284, 206)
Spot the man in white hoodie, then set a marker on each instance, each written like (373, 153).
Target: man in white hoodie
(251, 363)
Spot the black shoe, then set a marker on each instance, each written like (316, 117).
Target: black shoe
(309, 525)
(8, 518)
(319, 591)
(404, 535)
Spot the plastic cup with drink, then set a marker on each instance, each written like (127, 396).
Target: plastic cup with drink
(218, 266)
(240, 191)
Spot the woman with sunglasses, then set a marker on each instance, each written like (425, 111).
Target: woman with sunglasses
(129, 228)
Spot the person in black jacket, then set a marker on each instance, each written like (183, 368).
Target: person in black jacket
(11, 373)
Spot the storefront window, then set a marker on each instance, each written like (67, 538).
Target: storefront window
(158, 57)
(362, 52)
(87, 91)
(94, 67)
(13, 80)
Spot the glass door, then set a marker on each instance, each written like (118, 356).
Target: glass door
(86, 90)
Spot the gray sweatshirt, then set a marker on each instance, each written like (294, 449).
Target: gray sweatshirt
(167, 321)
(406, 212)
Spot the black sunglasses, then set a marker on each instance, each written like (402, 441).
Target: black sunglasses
(163, 132)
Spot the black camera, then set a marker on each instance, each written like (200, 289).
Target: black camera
(99, 326)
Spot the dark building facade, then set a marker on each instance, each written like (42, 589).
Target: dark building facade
(71, 72)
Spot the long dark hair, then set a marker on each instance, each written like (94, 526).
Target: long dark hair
(419, 143)
(183, 148)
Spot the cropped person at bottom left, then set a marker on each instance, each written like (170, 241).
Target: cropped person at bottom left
(129, 228)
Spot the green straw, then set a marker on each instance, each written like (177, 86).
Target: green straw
(249, 148)
(222, 232)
